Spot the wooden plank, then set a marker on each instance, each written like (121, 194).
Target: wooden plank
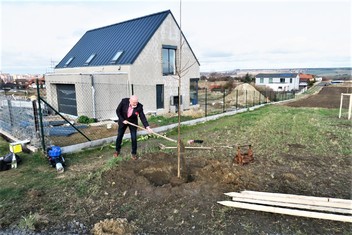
(335, 200)
(290, 198)
(286, 211)
(293, 205)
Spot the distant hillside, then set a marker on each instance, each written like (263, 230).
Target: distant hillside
(332, 73)
(329, 71)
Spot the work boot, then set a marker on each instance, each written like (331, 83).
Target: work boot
(116, 154)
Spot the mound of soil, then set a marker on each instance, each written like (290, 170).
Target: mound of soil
(244, 94)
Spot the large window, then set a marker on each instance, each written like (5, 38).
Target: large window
(169, 60)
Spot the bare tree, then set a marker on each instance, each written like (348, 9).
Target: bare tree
(181, 71)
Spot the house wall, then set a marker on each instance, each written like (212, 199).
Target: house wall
(147, 69)
(277, 85)
(97, 93)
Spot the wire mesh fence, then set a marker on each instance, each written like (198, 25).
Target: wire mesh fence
(76, 113)
(213, 102)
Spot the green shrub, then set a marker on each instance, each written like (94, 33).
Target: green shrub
(86, 120)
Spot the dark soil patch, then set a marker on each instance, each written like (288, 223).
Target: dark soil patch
(328, 97)
(148, 193)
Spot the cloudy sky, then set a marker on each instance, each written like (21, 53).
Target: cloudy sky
(224, 34)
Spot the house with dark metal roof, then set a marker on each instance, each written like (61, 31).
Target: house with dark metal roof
(145, 56)
(278, 81)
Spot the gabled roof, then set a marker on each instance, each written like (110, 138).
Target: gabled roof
(276, 75)
(305, 77)
(102, 44)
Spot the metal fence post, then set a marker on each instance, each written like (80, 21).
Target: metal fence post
(223, 102)
(246, 100)
(206, 101)
(259, 100)
(236, 99)
(40, 118)
(9, 105)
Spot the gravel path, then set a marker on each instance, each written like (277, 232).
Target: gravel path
(70, 228)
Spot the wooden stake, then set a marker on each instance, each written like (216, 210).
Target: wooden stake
(199, 148)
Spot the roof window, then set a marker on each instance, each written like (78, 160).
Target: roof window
(68, 61)
(89, 59)
(116, 57)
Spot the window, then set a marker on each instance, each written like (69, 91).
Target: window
(270, 80)
(160, 96)
(69, 61)
(290, 80)
(116, 57)
(282, 80)
(261, 80)
(193, 91)
(89, 59)
(169, 60)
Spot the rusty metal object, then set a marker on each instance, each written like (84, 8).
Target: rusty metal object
(242, 158)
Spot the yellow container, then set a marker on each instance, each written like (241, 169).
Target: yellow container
(15, 148)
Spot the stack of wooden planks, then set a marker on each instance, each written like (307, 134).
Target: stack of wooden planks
(289, 204)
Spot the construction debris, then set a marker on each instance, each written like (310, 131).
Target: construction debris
(304, 206)
(195, 141)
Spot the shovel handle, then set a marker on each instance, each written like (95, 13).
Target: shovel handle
(169, 139)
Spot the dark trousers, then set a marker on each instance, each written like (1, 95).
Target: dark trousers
(121, 131)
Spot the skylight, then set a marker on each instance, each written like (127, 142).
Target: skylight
(69, 61)
(89, 59)
(116, 57)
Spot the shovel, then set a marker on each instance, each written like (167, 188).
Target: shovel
(169, 139)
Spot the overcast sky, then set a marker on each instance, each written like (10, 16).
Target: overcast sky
(224, 35)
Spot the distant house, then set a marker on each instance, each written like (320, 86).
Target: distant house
(278, 81)
(21, 83)
(305, 79)
(138, 56)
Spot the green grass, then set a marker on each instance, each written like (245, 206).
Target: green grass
(162, 121)
(271, 128)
